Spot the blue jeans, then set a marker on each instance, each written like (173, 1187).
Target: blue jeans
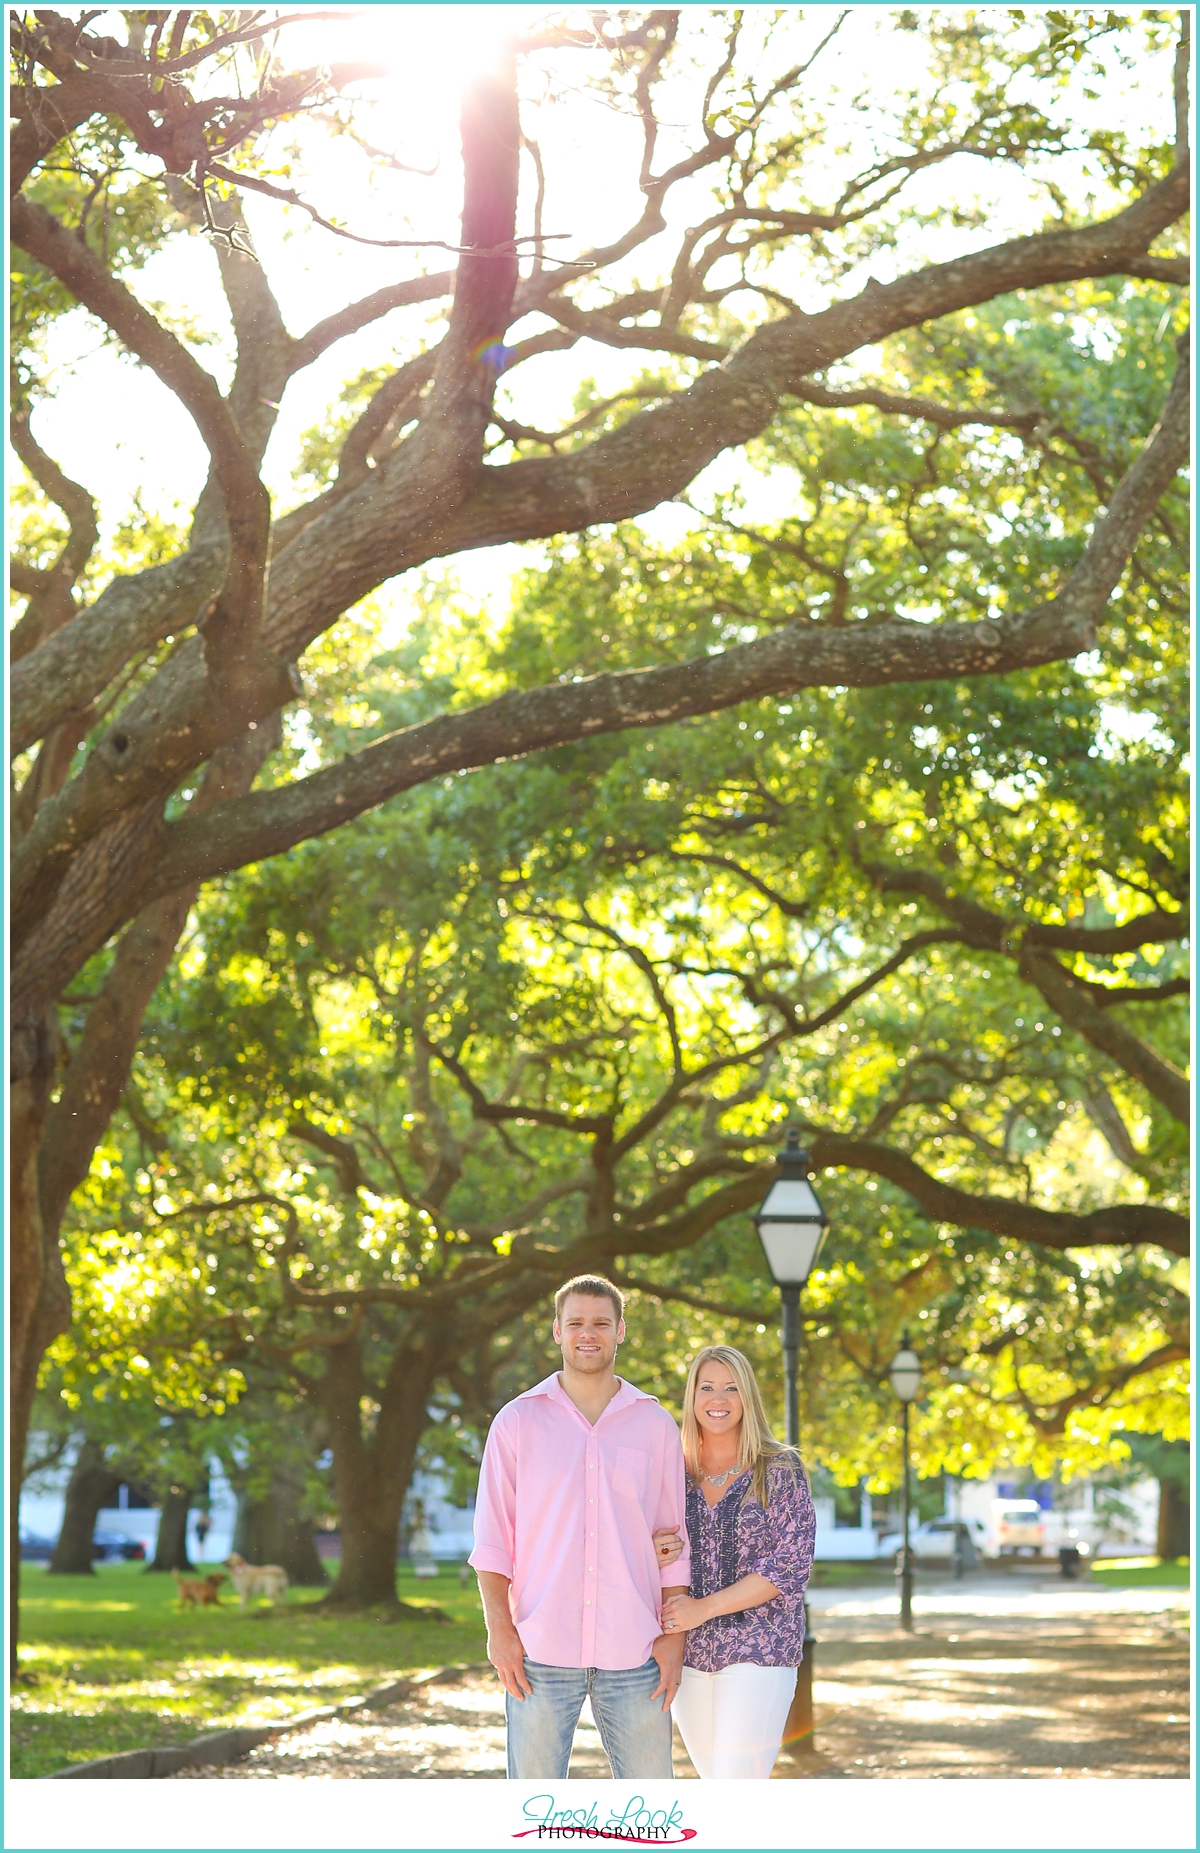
(634, 1729)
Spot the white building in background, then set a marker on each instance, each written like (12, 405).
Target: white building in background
(838, 1540)
(1112, 1521)
(450, 1529)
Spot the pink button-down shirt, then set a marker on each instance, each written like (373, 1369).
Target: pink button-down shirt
(566, 1511)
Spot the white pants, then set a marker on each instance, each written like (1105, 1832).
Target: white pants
(732, 1722)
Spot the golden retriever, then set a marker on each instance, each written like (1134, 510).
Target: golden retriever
(248, 1579)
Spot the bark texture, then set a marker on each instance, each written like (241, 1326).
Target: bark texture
(171, 1548)
(1174, 1521)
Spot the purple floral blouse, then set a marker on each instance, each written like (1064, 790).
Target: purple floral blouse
(737, 1538)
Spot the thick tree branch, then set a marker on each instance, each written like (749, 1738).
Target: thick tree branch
(945, 417)
(50, 590)
(1104, 996)
(397, 401)
(1106, 1115)
(991, 932)
(73, 667)
(497, 1112)
(752, 1315)
(236, 617)
(652, 457)
(795, 656)
(439, 462)
(656, 455)
(1162, 270)
(322, 335)
(98, 1070)
(798, 1025)
(344, 1153)
(1105, 1031)
(1118, 1223)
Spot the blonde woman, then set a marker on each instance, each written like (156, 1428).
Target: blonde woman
(751, 1528)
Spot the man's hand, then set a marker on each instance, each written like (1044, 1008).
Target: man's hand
(507, 1655)
(504, 1647)
(668, 1651)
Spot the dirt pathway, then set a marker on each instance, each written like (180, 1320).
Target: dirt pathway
(1017, 1695)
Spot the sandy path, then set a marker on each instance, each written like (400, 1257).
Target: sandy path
(1047, 1687)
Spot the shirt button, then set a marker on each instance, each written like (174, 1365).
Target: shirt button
(588, 1604)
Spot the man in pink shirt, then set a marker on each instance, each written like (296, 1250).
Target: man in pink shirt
(577, 1475)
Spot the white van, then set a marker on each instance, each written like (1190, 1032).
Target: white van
(1017, 1527)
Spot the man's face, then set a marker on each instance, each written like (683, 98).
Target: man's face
(589, 1332)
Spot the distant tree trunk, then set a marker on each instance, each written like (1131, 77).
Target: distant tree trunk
(93, 1483)
(170, 1552)
(371, 1474)
(275, 1530)
(1174, 1520)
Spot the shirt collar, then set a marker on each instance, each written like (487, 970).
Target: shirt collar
(551, 1387)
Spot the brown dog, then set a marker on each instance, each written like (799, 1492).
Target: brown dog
(197, 1594)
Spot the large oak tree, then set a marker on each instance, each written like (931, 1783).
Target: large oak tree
(146, 706)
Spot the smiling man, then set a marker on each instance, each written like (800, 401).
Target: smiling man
(577, 1475)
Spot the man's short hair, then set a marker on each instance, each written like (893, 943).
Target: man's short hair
(596, 1287)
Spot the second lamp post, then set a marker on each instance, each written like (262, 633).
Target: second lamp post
(905, 1374)
(791, 1226)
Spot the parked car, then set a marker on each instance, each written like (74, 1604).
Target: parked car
(115, 1547)
(935, 1539)
(33, 1548)
(1018, 1526)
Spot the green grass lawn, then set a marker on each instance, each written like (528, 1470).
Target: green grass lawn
(830, 1573)
(1144, 1572)
(110, 1662)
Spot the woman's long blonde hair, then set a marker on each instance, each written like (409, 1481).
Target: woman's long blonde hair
(758, 1446)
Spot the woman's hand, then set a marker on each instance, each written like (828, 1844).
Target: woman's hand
(668, 1545)
(680, 1612)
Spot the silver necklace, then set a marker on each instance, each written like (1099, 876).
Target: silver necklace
(719, 1479)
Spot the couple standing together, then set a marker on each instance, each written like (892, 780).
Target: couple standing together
(620, 1562)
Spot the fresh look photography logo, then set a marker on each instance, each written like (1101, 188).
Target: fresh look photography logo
(635, 1823)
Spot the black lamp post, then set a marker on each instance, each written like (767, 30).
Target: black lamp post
(905, 1374)
(791, 1225)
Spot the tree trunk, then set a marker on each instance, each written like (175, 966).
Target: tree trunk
(39, 1305)
(1174, 1520)
(170, 1552)
(371, 1475)
(276, 1530)
(370, 1534)
(93, 1484)
(51, 1147)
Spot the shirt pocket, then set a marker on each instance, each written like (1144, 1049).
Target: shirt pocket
(631, 1474)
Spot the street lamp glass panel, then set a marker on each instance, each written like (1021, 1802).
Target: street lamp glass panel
(905, 1374)
(791, 1249)
(792, 1199)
